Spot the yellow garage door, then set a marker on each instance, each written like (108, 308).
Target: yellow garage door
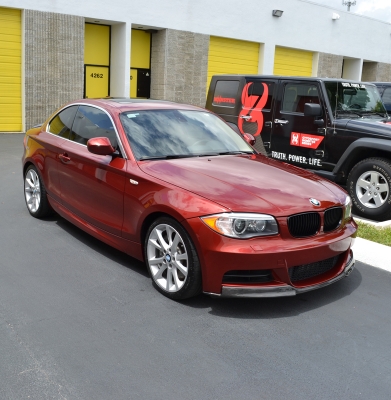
(96, 60)
(230, 56)
(292, 62)
(10, 71)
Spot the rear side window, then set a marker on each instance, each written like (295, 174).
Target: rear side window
(258, 89)
(225, 93)
(61, 124)
(91, 122)
(297, 94)
(387, 98)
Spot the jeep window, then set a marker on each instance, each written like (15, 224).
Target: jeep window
(257, 89)
(355, 99)
(387, 98)
(297, 94)
(225, 93)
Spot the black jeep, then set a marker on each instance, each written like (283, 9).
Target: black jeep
(337, 128)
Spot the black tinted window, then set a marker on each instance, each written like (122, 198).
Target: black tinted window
(387, 97)
(258, 90)
(225, 93)
(90, 122)
(296, 95)
(61, 124)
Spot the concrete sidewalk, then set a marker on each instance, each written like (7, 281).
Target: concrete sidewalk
(371, 253)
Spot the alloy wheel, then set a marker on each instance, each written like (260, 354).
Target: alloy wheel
(372, 189)
(167, 258)
(32, 190)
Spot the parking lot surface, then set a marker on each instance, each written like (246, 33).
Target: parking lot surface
(80, 320)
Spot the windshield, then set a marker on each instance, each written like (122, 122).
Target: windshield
(156, 134)
(357, 99)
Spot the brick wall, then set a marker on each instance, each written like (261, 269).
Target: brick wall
(54, 63)
(179, 65)
(376, 72)
(329, 65)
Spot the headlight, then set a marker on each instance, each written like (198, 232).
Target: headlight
(242, 226)
(348, 208)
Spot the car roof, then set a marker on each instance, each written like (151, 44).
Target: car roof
(128, 104)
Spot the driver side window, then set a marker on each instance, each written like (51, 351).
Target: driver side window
(297, 94)
(91, 122)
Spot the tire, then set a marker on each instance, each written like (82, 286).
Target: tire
(172, 260)
(35, 194)
(369, 186)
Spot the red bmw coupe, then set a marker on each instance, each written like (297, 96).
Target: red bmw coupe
(175, 186)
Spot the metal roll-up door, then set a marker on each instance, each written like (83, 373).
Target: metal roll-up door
(96, 60)
(10, 70)
(292, 62)
(231, 56)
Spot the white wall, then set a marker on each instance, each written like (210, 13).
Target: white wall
(304, 25)
(352, 69)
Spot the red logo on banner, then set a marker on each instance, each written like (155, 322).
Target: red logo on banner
(252, 106)
(305, 140)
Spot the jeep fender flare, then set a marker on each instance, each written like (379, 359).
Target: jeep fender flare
(352, 154)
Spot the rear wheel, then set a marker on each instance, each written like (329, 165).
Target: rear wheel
(172, 260)
(369, 186)
(35, 193)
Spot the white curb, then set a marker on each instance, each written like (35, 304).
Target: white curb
(371, 253)
(384, 224)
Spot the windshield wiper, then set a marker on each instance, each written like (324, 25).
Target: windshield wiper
(168, 157)
(235, 152)
(383, 115)
(174, 156)
(343, 112)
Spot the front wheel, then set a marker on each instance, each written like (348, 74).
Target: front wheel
(172, 260)
(369, 186)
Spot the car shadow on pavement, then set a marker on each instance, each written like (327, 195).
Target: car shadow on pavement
(98, 246)
(282, 307)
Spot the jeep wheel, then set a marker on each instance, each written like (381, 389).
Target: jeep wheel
(369, 186)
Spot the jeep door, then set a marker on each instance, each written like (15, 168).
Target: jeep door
(297, 138)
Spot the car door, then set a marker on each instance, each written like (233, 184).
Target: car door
(297, 138)
(92, 186)
(256, 115)
(57, 130)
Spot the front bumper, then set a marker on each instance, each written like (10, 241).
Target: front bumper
(281, 290)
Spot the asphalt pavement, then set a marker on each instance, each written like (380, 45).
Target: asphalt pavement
(80, 320)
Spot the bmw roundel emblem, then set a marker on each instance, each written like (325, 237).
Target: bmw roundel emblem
(315, 202)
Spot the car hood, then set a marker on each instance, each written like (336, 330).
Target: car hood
(248, 183)
(379, 127)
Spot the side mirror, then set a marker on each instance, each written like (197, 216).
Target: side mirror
(100, 146)
(250, 139)
(312, 110)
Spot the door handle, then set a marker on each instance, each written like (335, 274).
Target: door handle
(281, 121)
(246, 117)
(64, 158)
